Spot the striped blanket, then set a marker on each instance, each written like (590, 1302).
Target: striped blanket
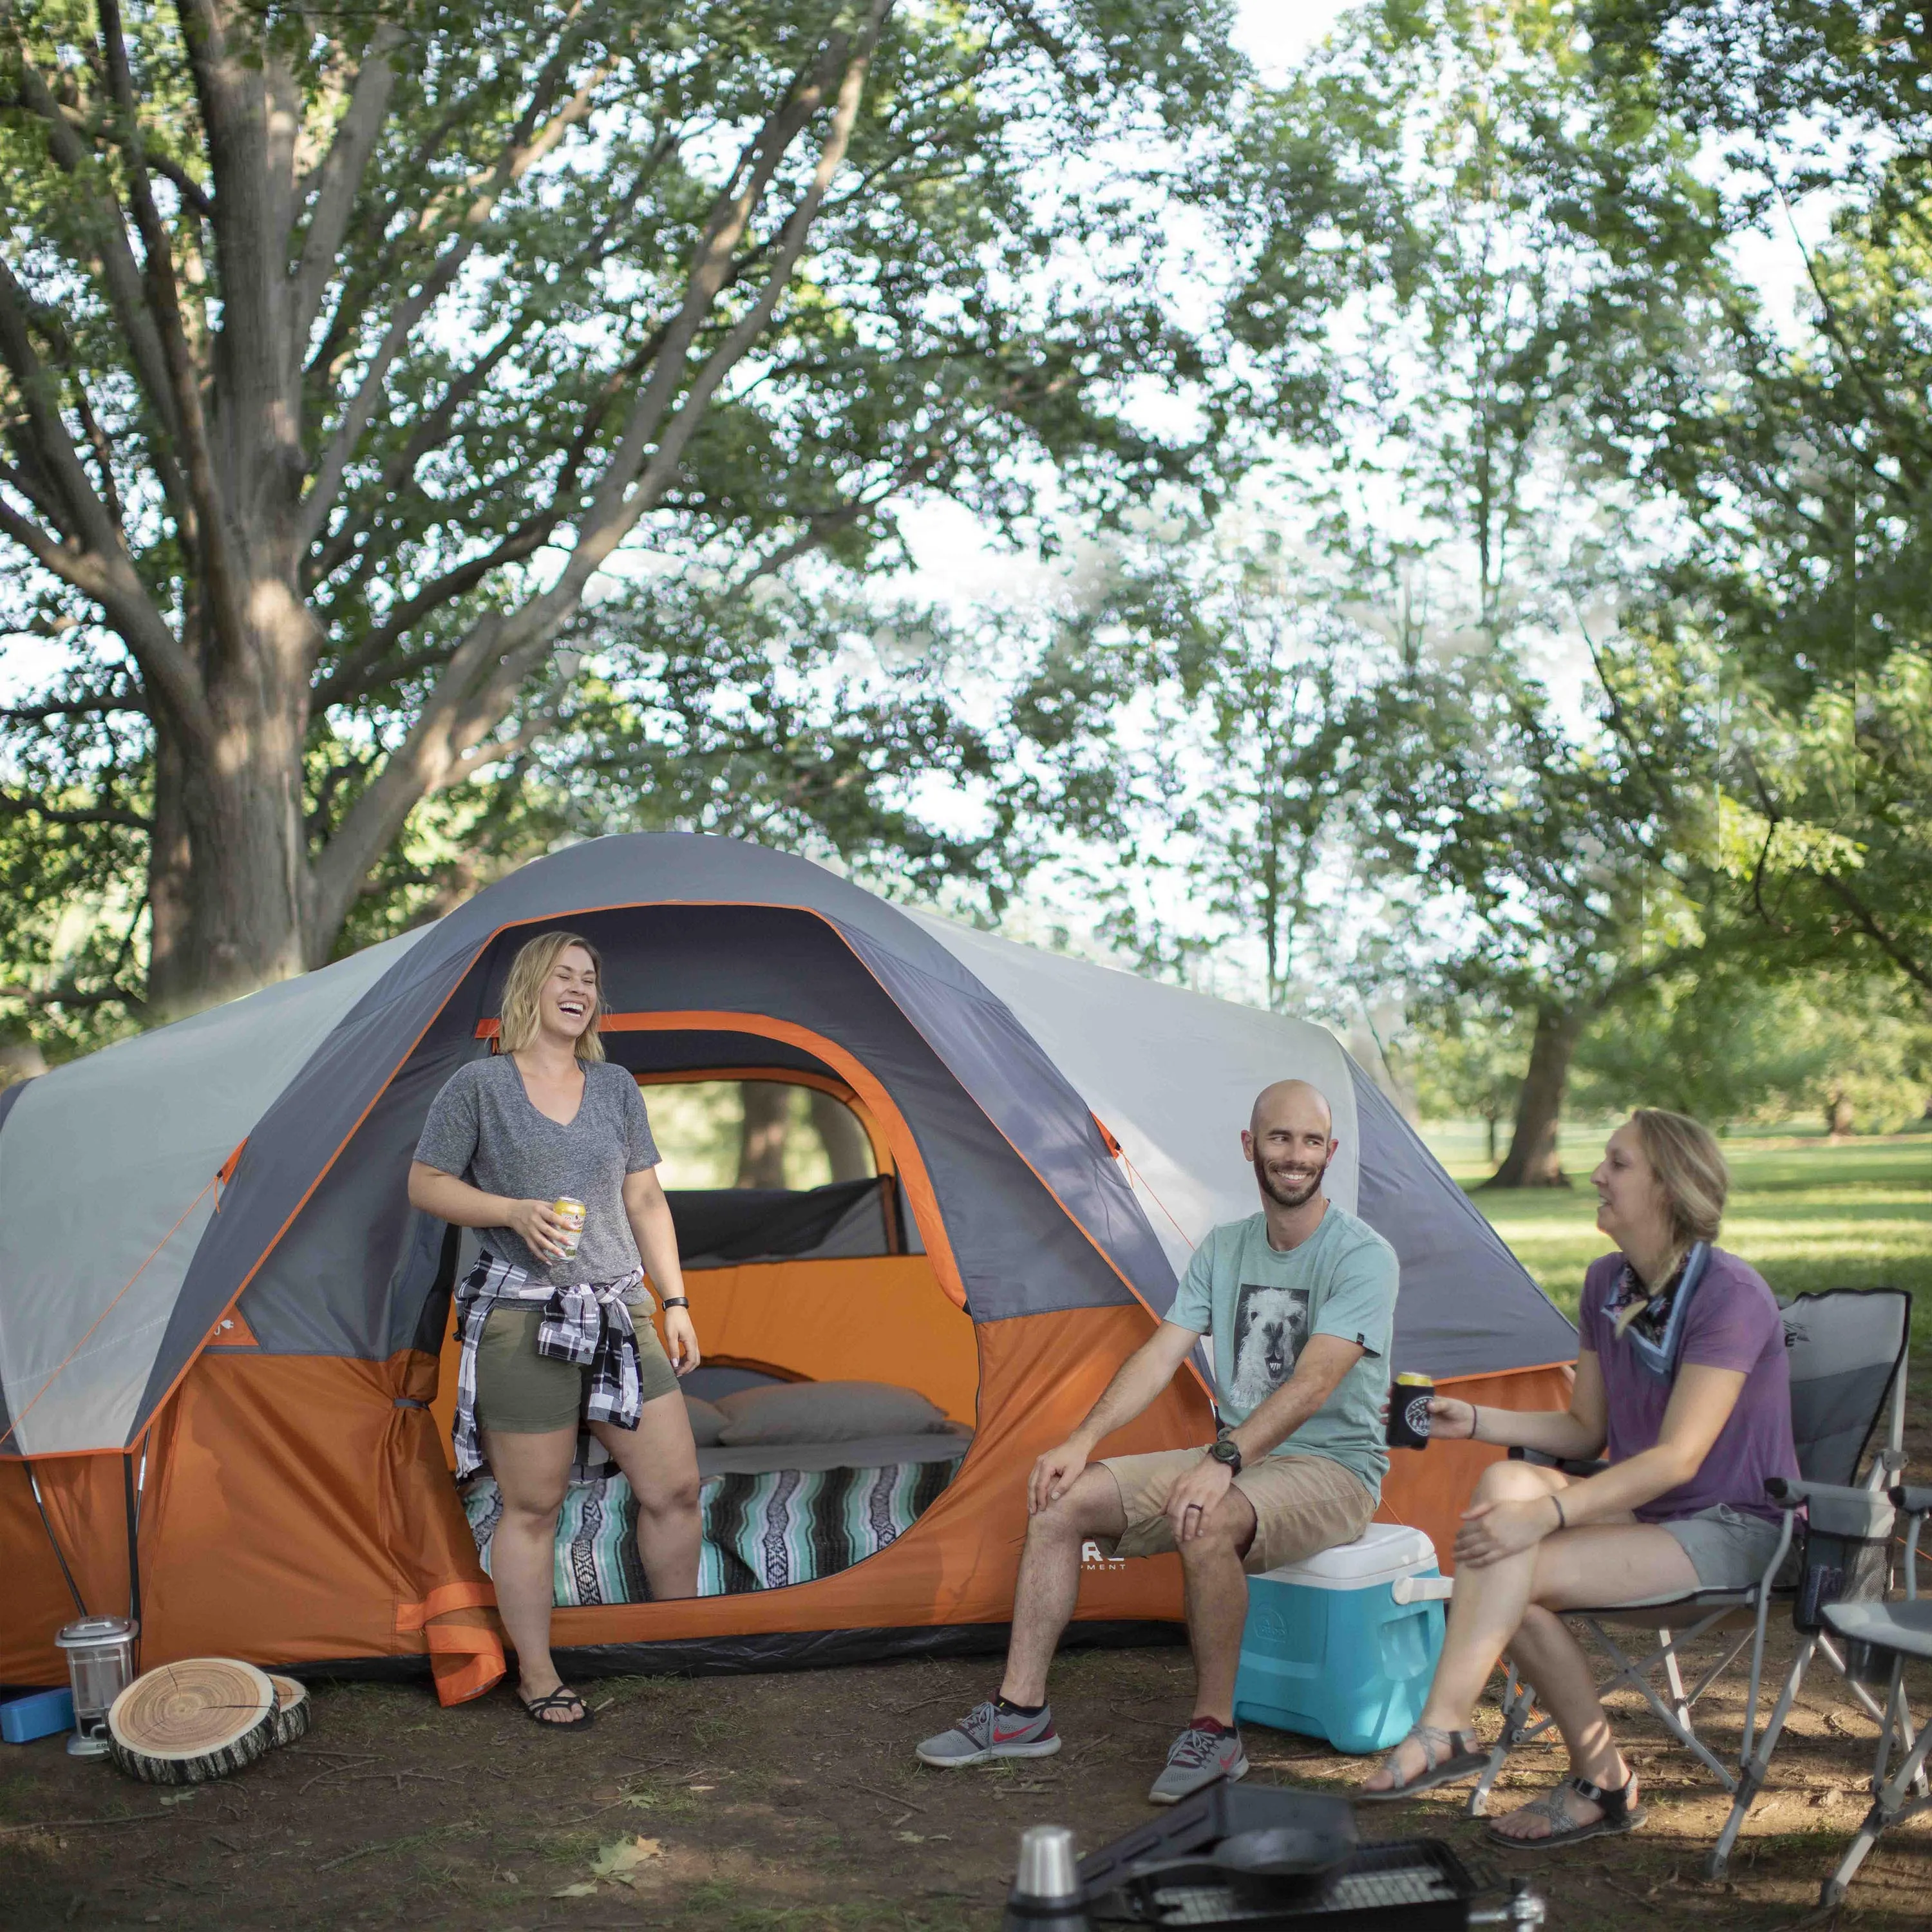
(761, 1532)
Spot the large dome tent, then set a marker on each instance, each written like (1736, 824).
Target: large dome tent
(224, 1334)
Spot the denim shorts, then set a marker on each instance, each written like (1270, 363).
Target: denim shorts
(1728, 1548)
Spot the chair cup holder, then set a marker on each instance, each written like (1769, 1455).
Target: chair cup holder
(1839, 1570)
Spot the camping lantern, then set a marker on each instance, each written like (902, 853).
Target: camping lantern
(100, 1663)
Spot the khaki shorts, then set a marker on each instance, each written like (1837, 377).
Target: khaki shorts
(1302, 1504)
(521, 1393)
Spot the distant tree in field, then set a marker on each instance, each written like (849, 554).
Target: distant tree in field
(1851, 1050)
(347, 359)
(1468, 1065)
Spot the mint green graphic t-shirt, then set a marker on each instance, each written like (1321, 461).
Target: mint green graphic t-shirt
(1261, 1305)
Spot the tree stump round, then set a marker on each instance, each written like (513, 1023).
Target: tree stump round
(187, 1722)
(291, 1708)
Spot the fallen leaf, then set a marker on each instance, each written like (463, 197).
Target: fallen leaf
(182, 1797)
(584, 1891)
(624, 1855)
(910, 1837)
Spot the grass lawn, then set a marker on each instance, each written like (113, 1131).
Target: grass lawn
(1806, 1213)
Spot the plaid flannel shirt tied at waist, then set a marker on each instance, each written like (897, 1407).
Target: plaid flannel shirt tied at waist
(588, 1324)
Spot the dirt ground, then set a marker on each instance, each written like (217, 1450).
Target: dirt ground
(794, 1802)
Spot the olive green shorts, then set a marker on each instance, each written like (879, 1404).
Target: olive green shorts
(522, 1393)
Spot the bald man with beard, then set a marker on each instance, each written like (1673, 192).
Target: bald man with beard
(1300, 1299)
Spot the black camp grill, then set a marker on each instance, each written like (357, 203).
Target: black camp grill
(1163, 1873)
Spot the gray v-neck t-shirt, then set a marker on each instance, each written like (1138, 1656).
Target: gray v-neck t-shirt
(483, 1128)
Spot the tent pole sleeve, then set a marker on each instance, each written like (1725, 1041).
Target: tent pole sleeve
(34, 1483)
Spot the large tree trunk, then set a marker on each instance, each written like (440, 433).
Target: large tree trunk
(846, 1146)
(1532, 1160)
(230, 882)
(761, 1145)
(252, 436)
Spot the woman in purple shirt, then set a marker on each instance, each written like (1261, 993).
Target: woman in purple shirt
(1681, 1382)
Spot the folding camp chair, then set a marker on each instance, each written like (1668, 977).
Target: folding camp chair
(1847, 1350)
(1889, 1633)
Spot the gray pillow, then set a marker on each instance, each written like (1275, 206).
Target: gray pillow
(825, 1412)
(707, 1422)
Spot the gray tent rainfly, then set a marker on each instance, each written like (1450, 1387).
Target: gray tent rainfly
(108, 1167)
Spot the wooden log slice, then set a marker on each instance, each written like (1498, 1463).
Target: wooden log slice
(184, 1723)
(291, 1708)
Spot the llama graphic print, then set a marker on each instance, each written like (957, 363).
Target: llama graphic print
(1270, 1324)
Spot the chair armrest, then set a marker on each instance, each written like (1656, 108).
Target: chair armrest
(1833, 1509)
(1540, 1460)
(1913, 1498)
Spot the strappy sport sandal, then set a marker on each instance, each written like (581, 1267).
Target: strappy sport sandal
(561, 1699)
(1462, 1756)
(1618, 1815)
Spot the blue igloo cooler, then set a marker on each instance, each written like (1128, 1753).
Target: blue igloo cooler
(1328, 1650)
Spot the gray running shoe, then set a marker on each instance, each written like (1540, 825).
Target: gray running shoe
(986, 1732)
(1199, 1759)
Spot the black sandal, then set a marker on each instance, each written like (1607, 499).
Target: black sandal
(1463, 1757)
(1618, 1815)
(561, 1699)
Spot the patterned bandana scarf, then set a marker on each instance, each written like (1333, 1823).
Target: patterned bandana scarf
(1656, 1332)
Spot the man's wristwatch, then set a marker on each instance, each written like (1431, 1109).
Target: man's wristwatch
(1224, 1451)
(675, 1301)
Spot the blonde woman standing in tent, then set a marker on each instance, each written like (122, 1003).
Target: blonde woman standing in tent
(550, 1352)
(1681, 1377)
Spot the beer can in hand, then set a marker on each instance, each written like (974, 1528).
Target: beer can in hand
(571, 1213)
(1409, 1398)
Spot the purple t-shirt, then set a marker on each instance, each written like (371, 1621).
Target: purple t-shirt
(1732, 1323)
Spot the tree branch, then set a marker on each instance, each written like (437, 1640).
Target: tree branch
(527, 145)
(88, 704)
(431, 433)
(436, 426)
(1866, 922)
(72, 996)
(339, 180)
(617, 505)
(85, 515)
(223, 589)
(19, 807)
(118, 270)
(113, 583)
(39, 495)
(484, 674)
(193, 196)
(376, 647)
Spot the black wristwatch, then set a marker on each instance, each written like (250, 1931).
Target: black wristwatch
(1224, 1451)
(674, 1301)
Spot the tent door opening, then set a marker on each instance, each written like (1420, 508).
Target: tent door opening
(808, 1269)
